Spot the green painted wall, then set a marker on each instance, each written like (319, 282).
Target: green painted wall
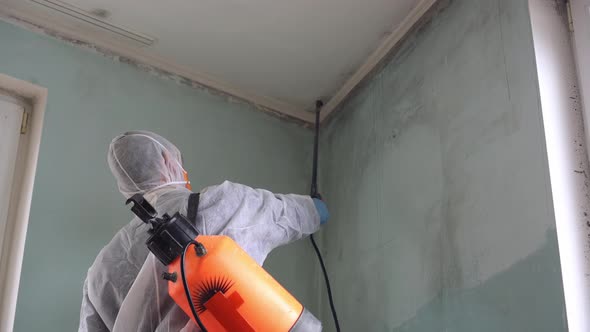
(436, 174)
(76, 207)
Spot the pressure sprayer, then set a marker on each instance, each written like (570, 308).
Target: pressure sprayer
(217, 283)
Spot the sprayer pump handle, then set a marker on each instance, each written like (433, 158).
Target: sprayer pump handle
(142, 208)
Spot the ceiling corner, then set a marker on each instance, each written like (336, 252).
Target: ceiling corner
(385, 48)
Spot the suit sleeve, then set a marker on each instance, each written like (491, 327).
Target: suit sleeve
(282, 218)
(90, 320)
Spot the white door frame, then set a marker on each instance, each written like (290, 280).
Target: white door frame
(35, 99)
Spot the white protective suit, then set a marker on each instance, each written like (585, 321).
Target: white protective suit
(124, 290)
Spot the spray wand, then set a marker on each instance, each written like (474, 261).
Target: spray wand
(315, 194)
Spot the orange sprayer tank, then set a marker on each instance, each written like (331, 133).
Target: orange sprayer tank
(231, 292)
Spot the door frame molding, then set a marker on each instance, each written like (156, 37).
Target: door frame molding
(35, 99)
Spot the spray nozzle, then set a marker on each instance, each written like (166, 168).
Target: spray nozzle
(314, 176)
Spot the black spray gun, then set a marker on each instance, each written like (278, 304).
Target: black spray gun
(315, 194)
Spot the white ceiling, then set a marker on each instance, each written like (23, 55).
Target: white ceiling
(284, 53)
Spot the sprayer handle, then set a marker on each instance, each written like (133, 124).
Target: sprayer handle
(142, 208)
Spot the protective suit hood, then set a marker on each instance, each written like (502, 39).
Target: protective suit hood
(142, 161)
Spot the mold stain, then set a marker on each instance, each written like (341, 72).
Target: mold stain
(152, 70)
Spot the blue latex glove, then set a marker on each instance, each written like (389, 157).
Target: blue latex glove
(322, 210)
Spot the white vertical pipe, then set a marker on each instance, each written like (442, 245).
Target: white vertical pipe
(568, 158)
(580, 12)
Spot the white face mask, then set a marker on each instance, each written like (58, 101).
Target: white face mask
(170, 183)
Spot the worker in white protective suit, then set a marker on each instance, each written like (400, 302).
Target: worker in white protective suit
(124, 290)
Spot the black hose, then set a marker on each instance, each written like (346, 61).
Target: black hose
(327, 280)
(186, 290)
